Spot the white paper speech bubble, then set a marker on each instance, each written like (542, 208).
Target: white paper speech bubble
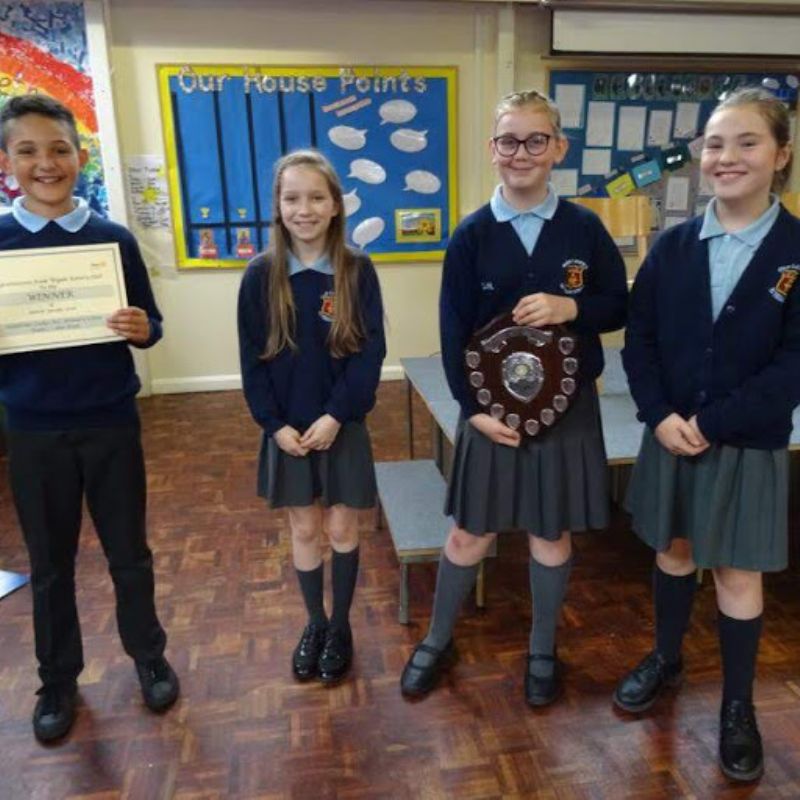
(367, 171)
(397, 111)
(352, 202)
(347, 138)
(409, 141)
(422, 181)
(368, 231)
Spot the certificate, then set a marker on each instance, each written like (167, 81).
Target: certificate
(59, 296)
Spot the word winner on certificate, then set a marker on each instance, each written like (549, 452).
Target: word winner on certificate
(59, 296)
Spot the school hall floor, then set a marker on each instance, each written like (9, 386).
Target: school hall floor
(227, 595)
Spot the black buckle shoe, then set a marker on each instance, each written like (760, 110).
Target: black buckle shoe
(160, 686)
(638, 690)
(55, 711)
(741, 757)
(543, 691)
(336, 657)
(308, 650)
(417, 681)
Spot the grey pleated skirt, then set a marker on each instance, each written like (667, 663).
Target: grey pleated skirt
(551, 483)
(730, 502)
(343, 474)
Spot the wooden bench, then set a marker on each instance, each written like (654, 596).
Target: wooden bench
(411, 502)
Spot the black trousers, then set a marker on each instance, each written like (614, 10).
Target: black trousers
(50, 473)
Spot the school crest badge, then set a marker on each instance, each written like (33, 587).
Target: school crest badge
(573, 276)
(786, 278)
(327, 307)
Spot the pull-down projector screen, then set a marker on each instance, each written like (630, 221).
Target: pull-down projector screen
(642, 32)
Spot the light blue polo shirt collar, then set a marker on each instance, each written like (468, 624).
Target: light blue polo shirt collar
(71, 222)
(752, 235)
(322, 264)
(504, 212)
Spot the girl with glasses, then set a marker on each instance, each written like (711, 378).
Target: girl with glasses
(551, 262)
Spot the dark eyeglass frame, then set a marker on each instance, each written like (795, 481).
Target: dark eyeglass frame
(533, 148)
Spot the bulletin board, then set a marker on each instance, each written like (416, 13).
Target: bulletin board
(641, 133)
(44, 48)
(390, 133)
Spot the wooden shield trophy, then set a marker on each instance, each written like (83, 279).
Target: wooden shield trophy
(525, 377)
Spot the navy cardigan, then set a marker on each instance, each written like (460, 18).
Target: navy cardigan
(299, 386)
(487, 270)
(739, 374)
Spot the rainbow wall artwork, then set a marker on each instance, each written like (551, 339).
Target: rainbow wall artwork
(43, 48)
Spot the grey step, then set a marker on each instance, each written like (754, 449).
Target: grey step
(412, 495)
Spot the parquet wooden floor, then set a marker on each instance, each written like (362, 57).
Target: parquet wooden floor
(243, 729)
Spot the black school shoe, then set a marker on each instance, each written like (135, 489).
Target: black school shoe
(55, 711)
(336, 656)
(638, 690)
(417, 681)
(543, 691)
(741, 757)
(308, 650)
(160, 686)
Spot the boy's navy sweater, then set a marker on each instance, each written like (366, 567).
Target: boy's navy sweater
(740, 374)
(487, 271)
(298, 386)
(77, 387)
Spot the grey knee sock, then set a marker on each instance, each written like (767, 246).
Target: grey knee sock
(453, 584)
(548, 587)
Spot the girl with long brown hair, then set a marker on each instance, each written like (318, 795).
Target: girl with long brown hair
(312, 344)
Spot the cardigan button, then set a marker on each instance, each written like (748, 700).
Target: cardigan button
(701, 396)
(729, 309)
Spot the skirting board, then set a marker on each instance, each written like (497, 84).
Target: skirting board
(225, 383)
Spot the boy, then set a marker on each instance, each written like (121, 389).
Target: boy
(73, 426)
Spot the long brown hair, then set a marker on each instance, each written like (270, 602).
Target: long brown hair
(347, 329)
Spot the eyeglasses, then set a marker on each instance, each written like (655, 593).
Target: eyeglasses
(507, 145)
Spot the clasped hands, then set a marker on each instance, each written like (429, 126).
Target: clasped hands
(681, 437)
(320, 435)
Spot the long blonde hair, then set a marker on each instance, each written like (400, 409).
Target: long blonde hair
(347, 329)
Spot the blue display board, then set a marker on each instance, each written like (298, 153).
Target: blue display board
(390, 133)
(641, 132)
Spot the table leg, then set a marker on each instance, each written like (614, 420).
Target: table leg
(410, 412)
(403, 611)
(480, 588)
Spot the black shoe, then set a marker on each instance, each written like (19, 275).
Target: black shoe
(308, 650)
(740, 755)
(160, 686)
(55, 711)
(336, 656)
(638, 690)
(417, 681)
(543, 691)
